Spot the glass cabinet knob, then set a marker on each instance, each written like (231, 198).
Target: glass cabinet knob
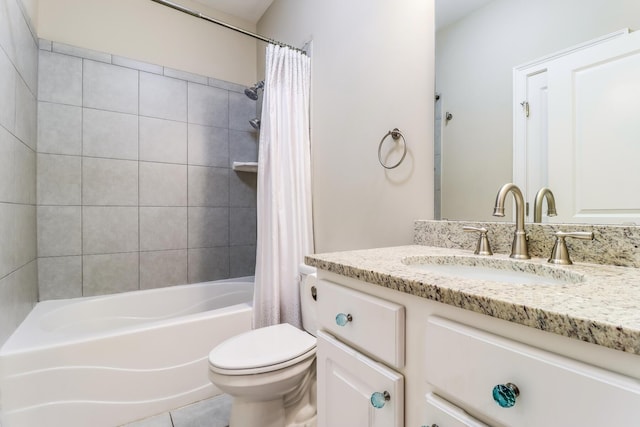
(505, 394)
(379, 399)
(342, 319)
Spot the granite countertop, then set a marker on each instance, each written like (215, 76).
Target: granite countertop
(603, 307)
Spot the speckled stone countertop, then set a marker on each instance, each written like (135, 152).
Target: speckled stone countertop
(603, 307)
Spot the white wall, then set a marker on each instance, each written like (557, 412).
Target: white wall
(372, 71)
(31, 7)
(150, 32)
(474, 62)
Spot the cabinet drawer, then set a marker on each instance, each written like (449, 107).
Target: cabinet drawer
(371, 324)
(464, 364)
(441, 413)
(347, 381)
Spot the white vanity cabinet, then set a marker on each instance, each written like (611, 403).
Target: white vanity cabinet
(445, 362)
(441, 413)
(357, 389)
(513, 384)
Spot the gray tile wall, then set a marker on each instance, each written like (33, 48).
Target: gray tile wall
(135, 188)
(18, 135)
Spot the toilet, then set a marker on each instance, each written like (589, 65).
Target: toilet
(270, 372)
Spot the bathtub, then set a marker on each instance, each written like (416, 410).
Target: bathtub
(110, 360)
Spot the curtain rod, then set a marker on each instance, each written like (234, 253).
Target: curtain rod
(224, 24)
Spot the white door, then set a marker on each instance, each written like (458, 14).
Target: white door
(576, 129)
(594, 133)
(347, 381)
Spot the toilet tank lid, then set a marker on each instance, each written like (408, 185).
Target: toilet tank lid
(307, 269)
(262, 347)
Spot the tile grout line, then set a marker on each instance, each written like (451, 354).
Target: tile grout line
(187, 165)
(81, 177)
(228, 189)
(138, 181)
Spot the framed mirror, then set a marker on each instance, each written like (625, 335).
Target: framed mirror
(476, 53)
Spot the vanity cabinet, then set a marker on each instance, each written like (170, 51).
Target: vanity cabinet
(513, 384)
(360, 341)
(441, 413)
(445, 362)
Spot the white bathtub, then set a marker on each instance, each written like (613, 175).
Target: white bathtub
(110, 360)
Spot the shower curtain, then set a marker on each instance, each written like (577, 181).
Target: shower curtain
(285, 233)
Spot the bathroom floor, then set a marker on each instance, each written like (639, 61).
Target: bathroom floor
(212, 412)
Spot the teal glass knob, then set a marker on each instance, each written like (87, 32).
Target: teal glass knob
(342, 319)
(379, 399)
(505, 394)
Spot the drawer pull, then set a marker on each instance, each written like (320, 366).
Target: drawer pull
(379, 399)
(342, 319)
(505, 394)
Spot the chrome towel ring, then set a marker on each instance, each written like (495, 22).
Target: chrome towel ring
(396, 135)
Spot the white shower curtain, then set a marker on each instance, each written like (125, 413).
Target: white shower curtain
(285, 233)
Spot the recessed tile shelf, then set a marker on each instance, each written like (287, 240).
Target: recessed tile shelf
(245, 166)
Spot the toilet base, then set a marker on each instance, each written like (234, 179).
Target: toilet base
(269, 413)
(296, 409)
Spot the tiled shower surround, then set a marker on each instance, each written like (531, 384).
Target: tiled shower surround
(134, 184)
(18, 88)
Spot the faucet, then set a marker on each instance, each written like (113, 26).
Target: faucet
(519, 248)
(537, 204)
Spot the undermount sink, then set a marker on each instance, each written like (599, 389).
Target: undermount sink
(494, 270)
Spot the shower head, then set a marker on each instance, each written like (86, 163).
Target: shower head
(255, 123)
(252, 92)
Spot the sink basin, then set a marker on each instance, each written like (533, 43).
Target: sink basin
(494, 270)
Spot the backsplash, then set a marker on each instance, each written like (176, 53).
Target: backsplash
(135, 188)
(612, 244)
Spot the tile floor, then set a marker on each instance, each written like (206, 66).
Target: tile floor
(212, 412)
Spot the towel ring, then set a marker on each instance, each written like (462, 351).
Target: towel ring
(396, 135)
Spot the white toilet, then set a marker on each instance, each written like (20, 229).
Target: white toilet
(271, 372)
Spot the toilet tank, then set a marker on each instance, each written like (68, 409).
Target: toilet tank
(308, 304)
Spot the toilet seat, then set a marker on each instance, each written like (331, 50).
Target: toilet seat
(262, 350)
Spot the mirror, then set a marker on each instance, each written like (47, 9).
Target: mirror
(476, 52)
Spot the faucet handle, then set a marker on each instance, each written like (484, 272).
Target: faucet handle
(482, 247)
(560, 253)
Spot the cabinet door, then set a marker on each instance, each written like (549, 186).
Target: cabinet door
(474, 369)
(347, 380)
(443, 414)
(375, 325)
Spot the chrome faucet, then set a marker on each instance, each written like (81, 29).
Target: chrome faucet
(537, 204)
(519, 248)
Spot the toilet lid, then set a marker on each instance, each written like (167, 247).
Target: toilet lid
(262, 347)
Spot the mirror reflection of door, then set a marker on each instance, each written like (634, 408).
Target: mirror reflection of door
(437, 158)
(532, 112)
(592, 94)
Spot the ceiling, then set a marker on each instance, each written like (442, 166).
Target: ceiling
(249, 10)
(450, 11)
(447, 11)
